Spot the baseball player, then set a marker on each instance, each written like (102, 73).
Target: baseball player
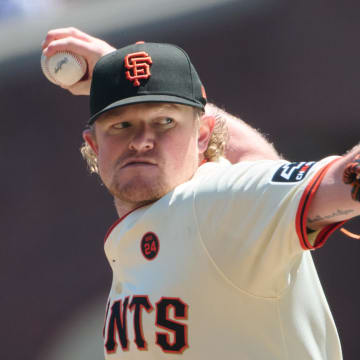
(210, 259)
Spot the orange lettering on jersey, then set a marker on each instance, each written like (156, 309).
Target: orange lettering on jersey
(138, 65)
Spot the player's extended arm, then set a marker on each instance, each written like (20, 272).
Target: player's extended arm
(244, 142)
(336, 200)
(78, 42)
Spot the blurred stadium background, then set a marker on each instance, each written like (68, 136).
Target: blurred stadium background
(288, 68)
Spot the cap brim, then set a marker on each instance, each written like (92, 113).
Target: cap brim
(146, 99)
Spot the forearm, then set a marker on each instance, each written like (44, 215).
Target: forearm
(332, 201)
(244, 142)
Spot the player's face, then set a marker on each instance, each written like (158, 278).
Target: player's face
(146, 150)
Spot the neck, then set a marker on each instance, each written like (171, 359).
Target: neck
(123, 208)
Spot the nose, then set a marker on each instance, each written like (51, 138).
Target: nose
(142, 140)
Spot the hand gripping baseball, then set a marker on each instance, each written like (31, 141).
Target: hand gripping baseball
(72, 40)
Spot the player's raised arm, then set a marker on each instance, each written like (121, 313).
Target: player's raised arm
(73, 40)
(244, 143)
(338, 196)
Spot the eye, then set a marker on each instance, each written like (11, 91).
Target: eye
(121, 125)
(166, 121)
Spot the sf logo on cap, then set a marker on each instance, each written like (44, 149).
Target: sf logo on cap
(138, 65)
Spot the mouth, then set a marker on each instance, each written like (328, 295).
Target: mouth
(137, 163)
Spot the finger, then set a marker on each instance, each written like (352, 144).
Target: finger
(70, 44)
(80, 88)
(91, 51)
(61, 33)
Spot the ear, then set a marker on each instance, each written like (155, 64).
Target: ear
(89, 138)
(207, 123)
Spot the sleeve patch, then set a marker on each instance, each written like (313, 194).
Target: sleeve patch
(292, 172)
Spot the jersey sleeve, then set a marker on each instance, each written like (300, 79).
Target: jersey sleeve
(252, 220)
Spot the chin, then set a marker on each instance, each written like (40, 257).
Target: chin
(136, 192)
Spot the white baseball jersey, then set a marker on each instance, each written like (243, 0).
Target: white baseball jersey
(217, 269)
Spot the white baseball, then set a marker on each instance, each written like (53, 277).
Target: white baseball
(63, 68)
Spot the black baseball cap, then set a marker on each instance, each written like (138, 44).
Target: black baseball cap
(144, 72)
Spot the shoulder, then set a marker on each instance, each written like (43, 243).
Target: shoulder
(256, 175)
(224, 171)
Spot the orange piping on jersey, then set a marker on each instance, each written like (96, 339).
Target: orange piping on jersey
(303, 209)
(325, 233)
(118, 221)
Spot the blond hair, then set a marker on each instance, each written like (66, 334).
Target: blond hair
(215, 149)
(219, 136)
